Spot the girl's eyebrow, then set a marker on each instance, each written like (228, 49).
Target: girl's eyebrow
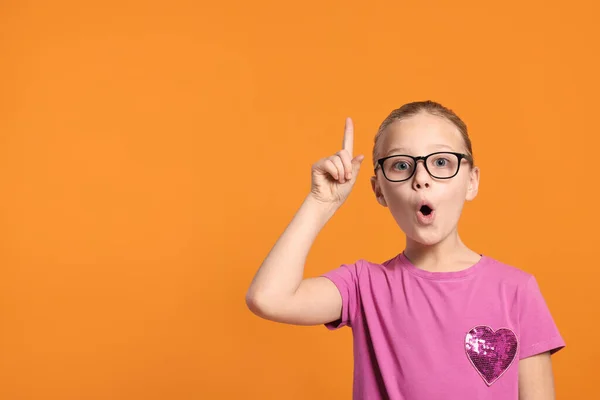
(443, 146)
(403, 150)
(396, 150)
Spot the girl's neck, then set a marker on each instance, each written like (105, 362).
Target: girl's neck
(449, 255)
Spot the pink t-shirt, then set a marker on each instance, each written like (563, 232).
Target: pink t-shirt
(421, 335)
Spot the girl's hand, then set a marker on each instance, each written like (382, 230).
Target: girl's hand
(333, 177)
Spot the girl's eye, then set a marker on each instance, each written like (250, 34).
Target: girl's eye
(401, 166)
(440, 162)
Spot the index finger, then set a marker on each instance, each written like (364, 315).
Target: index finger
(348, 143)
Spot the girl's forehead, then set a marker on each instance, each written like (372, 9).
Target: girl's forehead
(422, 133)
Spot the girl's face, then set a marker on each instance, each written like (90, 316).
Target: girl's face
(420, 135)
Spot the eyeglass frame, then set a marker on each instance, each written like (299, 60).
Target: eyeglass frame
(460, 156)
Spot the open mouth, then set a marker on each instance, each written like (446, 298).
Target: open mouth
(425, 210)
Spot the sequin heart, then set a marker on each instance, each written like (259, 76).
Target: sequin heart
(491, 352)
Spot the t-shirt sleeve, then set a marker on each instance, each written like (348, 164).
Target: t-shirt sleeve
(345, 278)
(538, 332)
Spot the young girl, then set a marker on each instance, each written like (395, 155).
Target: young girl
(438, 320)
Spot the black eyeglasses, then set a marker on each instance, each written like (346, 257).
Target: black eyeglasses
(440, 165)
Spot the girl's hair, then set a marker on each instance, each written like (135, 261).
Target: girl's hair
(414, 108)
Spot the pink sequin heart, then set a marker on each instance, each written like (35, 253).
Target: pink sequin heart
(491, 352)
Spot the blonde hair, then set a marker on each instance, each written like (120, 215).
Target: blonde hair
(414, 108)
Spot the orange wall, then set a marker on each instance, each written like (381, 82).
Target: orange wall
(152, 152)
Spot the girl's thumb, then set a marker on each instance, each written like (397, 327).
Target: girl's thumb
(356, 162)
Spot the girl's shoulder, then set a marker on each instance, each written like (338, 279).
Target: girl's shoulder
(506, 271)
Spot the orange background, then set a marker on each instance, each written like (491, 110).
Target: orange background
(152, 153)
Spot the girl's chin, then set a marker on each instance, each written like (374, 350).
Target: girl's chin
(426, 241)
(425, 237)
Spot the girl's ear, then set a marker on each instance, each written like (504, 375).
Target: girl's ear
(473, 187)
(377, 191)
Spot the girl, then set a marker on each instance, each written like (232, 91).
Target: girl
(438, 320)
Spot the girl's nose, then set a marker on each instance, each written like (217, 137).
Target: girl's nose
(422, 179)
